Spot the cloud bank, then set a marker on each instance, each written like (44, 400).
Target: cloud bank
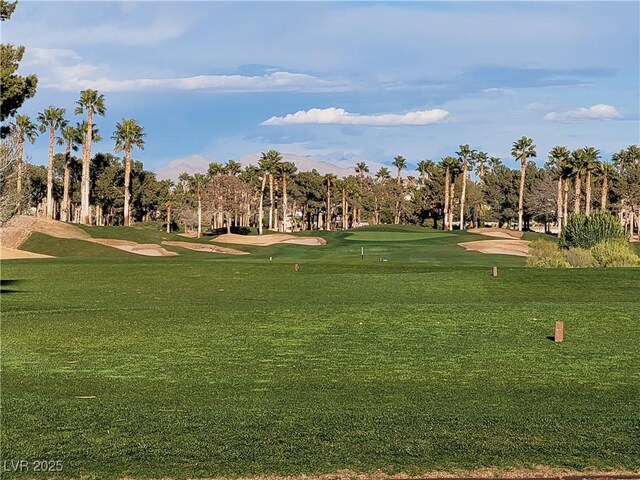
(600, 111)
(339, 116)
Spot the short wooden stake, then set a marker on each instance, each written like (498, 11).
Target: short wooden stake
(559, 335)
(494, 272)
(296, 267)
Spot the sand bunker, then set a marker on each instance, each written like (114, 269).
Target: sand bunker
(15, 254)
(497, 232)
(148, 249)
(499, 247)
(200, 247)
(270, 239)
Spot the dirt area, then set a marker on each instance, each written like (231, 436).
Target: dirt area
(148, 249)
(200, 247)
(500, 247)
(497, 232)
(14, 254)
(188, 235)
(269, 239)
(546, 473)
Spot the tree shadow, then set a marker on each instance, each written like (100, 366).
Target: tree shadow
(5, 283)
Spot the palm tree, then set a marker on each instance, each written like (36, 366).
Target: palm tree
(128, 134)
(361, 168)
(383, 174)
(424, 167)
(467, 155)
(197, 184)
(451, 167)
(329, 179)
(522, 149)
(481, 159)
(92, 102)
(578, 165)
(233, 168)
(400, 163)
(606, 170)
(285, 169)
(557, 160)
(25, 129)
(264, 172)
(51, 119)
(494, 162)
(591, 157)
(270, 162)
(70, 137)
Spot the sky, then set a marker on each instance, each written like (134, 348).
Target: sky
(341, 82)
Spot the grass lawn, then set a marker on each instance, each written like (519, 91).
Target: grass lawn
(208, 365)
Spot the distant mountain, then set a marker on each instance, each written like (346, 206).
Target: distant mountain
(199, 164)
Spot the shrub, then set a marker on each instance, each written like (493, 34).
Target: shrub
(586, 230)
(580, 258)
(615, 253)
(545, 254)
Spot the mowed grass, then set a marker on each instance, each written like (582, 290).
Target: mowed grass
(206, 365)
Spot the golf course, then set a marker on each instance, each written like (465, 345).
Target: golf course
(410, 359)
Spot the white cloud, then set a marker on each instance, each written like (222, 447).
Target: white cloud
(498, 91)
(339, 116)
(600, 111)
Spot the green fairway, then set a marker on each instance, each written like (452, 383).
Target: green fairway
(209, 365)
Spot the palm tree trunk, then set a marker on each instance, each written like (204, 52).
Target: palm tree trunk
(260, 208)
(328, 219)
(270, 201)
(127, 187)
(464, 192)
(445, 222)
(565, 202)
(577, 194)
(50, 175)
(284, 203)
(199, 216)
(604, 195)
(20, 155)
(559, 201)
(169, 217)
(523, 172)
(587, 208)
(344, 209)
(64, 211)
(451, 202)
(85, 214)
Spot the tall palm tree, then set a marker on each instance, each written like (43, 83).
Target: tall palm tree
(285, 169)
(70, 137)
(467, 156)
(25, 129)
(329, 179)
(481, 159)
(263, 167)
(557, 160)
(51, 119)
(451, 167)
(400, 163)
(578, 166)
(128, 134)
(197, 184)
(269, 162)
(522, 150)
(233, 168)
(591, 157)
(494, 162)
(606, 171)
(383, 174)
(361, 168)
(91, 102)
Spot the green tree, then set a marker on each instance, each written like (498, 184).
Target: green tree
(128, 134)
(285, 170)
(400, 163)
(91, 102)
(522, 150)
(591, 159)
(330, 180)
(15, 88)
(467, 156)
(558, 161)
(51, 119)
(233, 168)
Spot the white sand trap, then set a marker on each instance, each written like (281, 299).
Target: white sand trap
(15, 254)
(499, 247)
(200, 247)
(147, 249)
(269, 239)
(497, 232)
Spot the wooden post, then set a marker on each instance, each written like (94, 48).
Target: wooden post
(494, 272)
(559, 335)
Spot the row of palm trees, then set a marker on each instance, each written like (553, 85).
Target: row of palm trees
(127, 135)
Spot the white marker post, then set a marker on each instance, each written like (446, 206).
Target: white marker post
(362, 253)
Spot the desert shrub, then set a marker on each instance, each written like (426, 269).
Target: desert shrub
(585, 231)
(580, 258)
(545, 254)
(615, 253)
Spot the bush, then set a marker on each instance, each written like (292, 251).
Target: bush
(585, 231)
(615, 253)
(580, 258)
(545, 254)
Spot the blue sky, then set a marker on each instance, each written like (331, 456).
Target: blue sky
(343, 82)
